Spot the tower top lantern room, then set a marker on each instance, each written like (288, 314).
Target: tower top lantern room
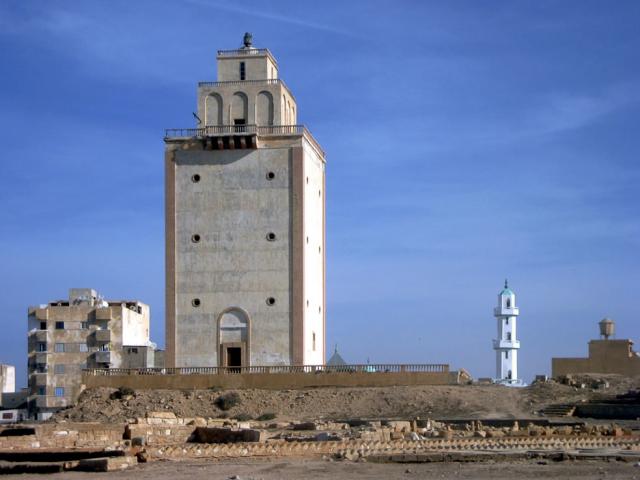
(248, 91)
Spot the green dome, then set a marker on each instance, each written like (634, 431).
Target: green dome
(506, 290)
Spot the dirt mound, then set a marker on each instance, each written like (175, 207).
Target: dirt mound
(471, 401)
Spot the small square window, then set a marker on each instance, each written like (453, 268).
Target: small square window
(59, 391)
(84, 325)
(42, 391)
(84, 348)
(59, 348)
(43, 325)
(58, 369)
(42, 347)
(59, 325)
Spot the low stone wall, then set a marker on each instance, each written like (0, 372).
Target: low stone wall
(72, 435)
(273, 381)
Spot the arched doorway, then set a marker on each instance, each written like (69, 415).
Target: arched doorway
(213, 109)
(264, 109)
(234, 333)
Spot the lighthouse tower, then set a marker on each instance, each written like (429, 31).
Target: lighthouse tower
(507, 344)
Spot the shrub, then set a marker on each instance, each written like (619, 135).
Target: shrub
(227, 401)
(266, 416)
(243, 417)
(122, 392)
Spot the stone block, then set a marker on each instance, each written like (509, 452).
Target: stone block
(108, 464)
(227, 435)
(400, 425)
(162, 415)
(305, 426)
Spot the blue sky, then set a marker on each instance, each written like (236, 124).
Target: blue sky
(466, 142)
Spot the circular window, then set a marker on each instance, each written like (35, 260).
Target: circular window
(195, 178)
(271, 301)
(195, 302)
(195, 238)
(271, 236)
(271, 175)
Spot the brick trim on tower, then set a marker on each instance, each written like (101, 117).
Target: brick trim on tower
(297, 256)
(170, 258)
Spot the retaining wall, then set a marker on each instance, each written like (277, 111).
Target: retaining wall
(274, 381)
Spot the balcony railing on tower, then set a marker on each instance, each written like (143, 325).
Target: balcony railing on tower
(223, 130)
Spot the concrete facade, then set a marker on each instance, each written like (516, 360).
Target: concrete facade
(606, 356)
(84, 331)
(7, 379)
(245, 202)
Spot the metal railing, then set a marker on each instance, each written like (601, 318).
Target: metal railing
(262, 130)
(276, 369)
(268, 81)
(243, 51)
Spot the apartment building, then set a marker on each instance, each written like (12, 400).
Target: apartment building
(83, 331)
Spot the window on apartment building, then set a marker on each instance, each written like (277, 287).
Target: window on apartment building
(59, 391)
(41, 368)
(84, 325)
(133, 350)
(7, 416)
(42, 347)
(84, 348)
(59, 325)
(104, 348)
(243, 71)
(43, 325)
(59, 348)
(42, 390)
(58, 369)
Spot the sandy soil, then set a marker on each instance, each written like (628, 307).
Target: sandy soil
(473, 401)
(295, 469)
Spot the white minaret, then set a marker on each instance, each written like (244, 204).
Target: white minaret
(507, 344)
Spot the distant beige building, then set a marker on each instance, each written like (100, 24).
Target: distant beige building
(84, 331)
(245, 224)
(605, 356)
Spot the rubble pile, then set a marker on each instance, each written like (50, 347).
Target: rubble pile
(438, 401)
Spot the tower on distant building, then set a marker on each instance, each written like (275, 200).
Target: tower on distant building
(245, 196)
(507, 344)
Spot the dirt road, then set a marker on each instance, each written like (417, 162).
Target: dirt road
(323, 469)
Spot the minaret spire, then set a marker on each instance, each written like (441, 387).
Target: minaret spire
(507, 345)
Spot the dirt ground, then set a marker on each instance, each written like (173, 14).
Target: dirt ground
(469, 401)
(295, 469)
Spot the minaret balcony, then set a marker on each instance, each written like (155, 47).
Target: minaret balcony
(506, 312)
(180, 134)
(266, 81)
(506, 344)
